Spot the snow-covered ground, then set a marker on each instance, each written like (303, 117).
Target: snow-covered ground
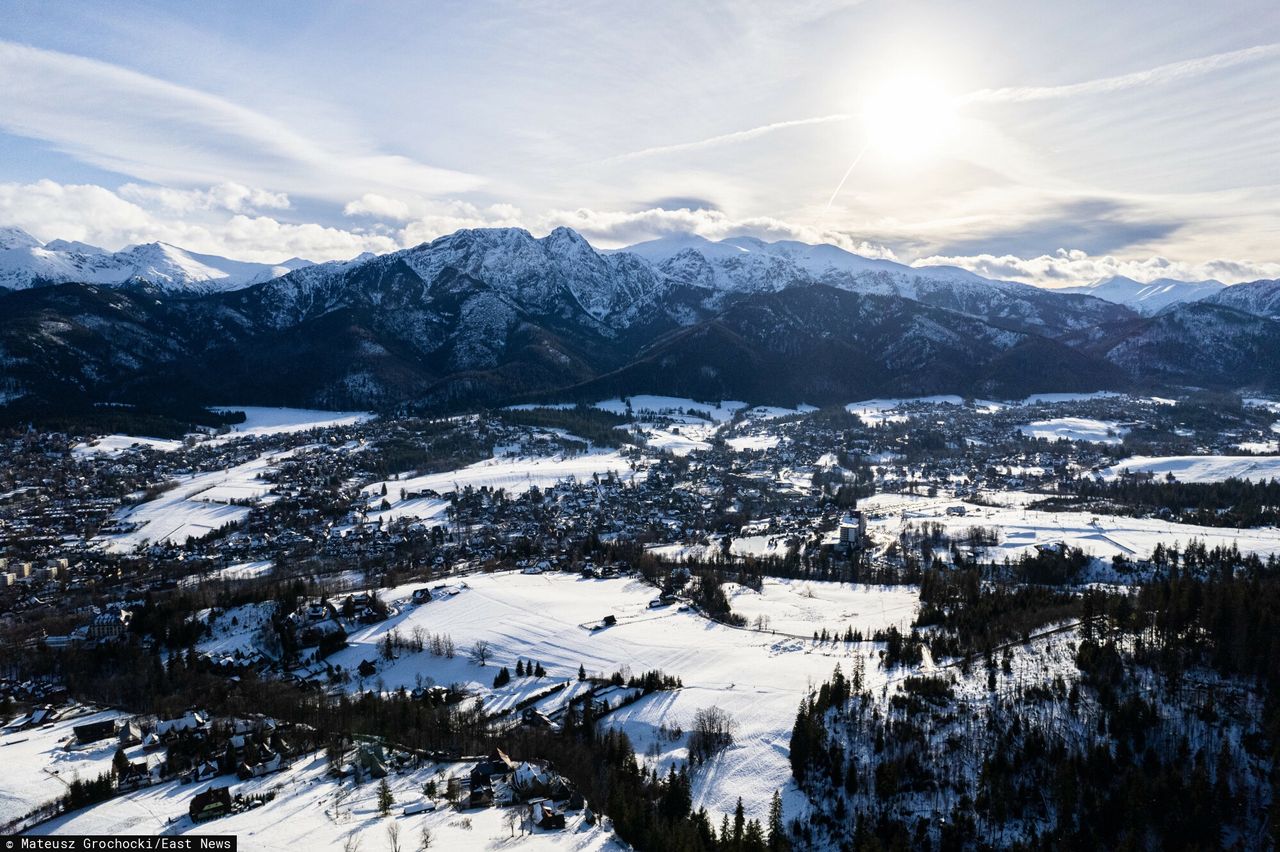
(753, 442)
(757, 677)
(1200, 468)
(514, 474)
(277, 421)
(199, 504)
(38, 766)
(803, 606)
(1021, 529)
(114, 445)
(1075, 429)
(314, 812)
(666, 405)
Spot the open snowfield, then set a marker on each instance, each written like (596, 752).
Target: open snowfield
(1075, 429)
(314, 812)
(759, 678)
(802, 606)
(1200, 468)
(515, 474)
(196, 506)
(36, 766)
(114, 445)
(1021, 529)
(753, 442)
(669, 405)
(681, 437)
(278, 421)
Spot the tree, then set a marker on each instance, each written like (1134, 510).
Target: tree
(513, 819)
(351, 843)
(481, 652)
(425, 839)
(777, 840)
(519, 668)
(502, 678)
(120, 763)
(582, 672)
(712, 731)
(393, 835)
(385, 799)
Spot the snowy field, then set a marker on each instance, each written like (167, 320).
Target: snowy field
(668, 405)
(259, 421)
(514, 474)
(757, 677)
(115, 445)
(279, 421)
(37, 765)
(1021, 529)
(313, 812)
(196, 506)
(802, 606)
(1200, 468)
(1075, 429)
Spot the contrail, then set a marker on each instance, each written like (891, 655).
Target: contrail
(847, 172)
(1150, 77)
(724, 138)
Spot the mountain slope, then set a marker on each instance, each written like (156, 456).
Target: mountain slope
(744, 265)
(1148, 298)
(1261, 298)
(26, 262)
(1199, 344)
(822, 344)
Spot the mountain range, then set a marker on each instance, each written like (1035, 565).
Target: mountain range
(491, 316)
(27, 262)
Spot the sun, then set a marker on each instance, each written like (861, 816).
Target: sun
(908, 118)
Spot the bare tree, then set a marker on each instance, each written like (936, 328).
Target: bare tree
(481, 652)
(425, 839)
(713, 730)
(513, 820)
(393, 835)
(352, 842)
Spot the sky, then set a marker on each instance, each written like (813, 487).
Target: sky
(1055, 143)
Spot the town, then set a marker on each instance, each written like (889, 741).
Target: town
(416, 616)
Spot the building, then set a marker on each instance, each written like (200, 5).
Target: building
(211, 804)
(92, 732)
(853, 530)
(110, 624)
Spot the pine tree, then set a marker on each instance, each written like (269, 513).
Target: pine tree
(582, 672)
(739, 822)
(385, 799)
(777, 841)
(519, 668)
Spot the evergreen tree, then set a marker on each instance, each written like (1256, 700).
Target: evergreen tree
(385, 799)
(777, 840)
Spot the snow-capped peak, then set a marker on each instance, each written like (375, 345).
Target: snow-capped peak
(16, 238)
(26, 262)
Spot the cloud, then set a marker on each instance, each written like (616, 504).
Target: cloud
(1161, 74)
(147, 128)
(727, 138)
(1073, 267)
(1094, 224)
(616, 228)
(197, 221)
(225, 196)
(378, 206)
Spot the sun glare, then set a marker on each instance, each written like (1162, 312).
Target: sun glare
(908, 118)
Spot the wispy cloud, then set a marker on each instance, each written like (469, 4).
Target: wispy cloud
(728, 138)
(1161, 74)
(147, 128)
